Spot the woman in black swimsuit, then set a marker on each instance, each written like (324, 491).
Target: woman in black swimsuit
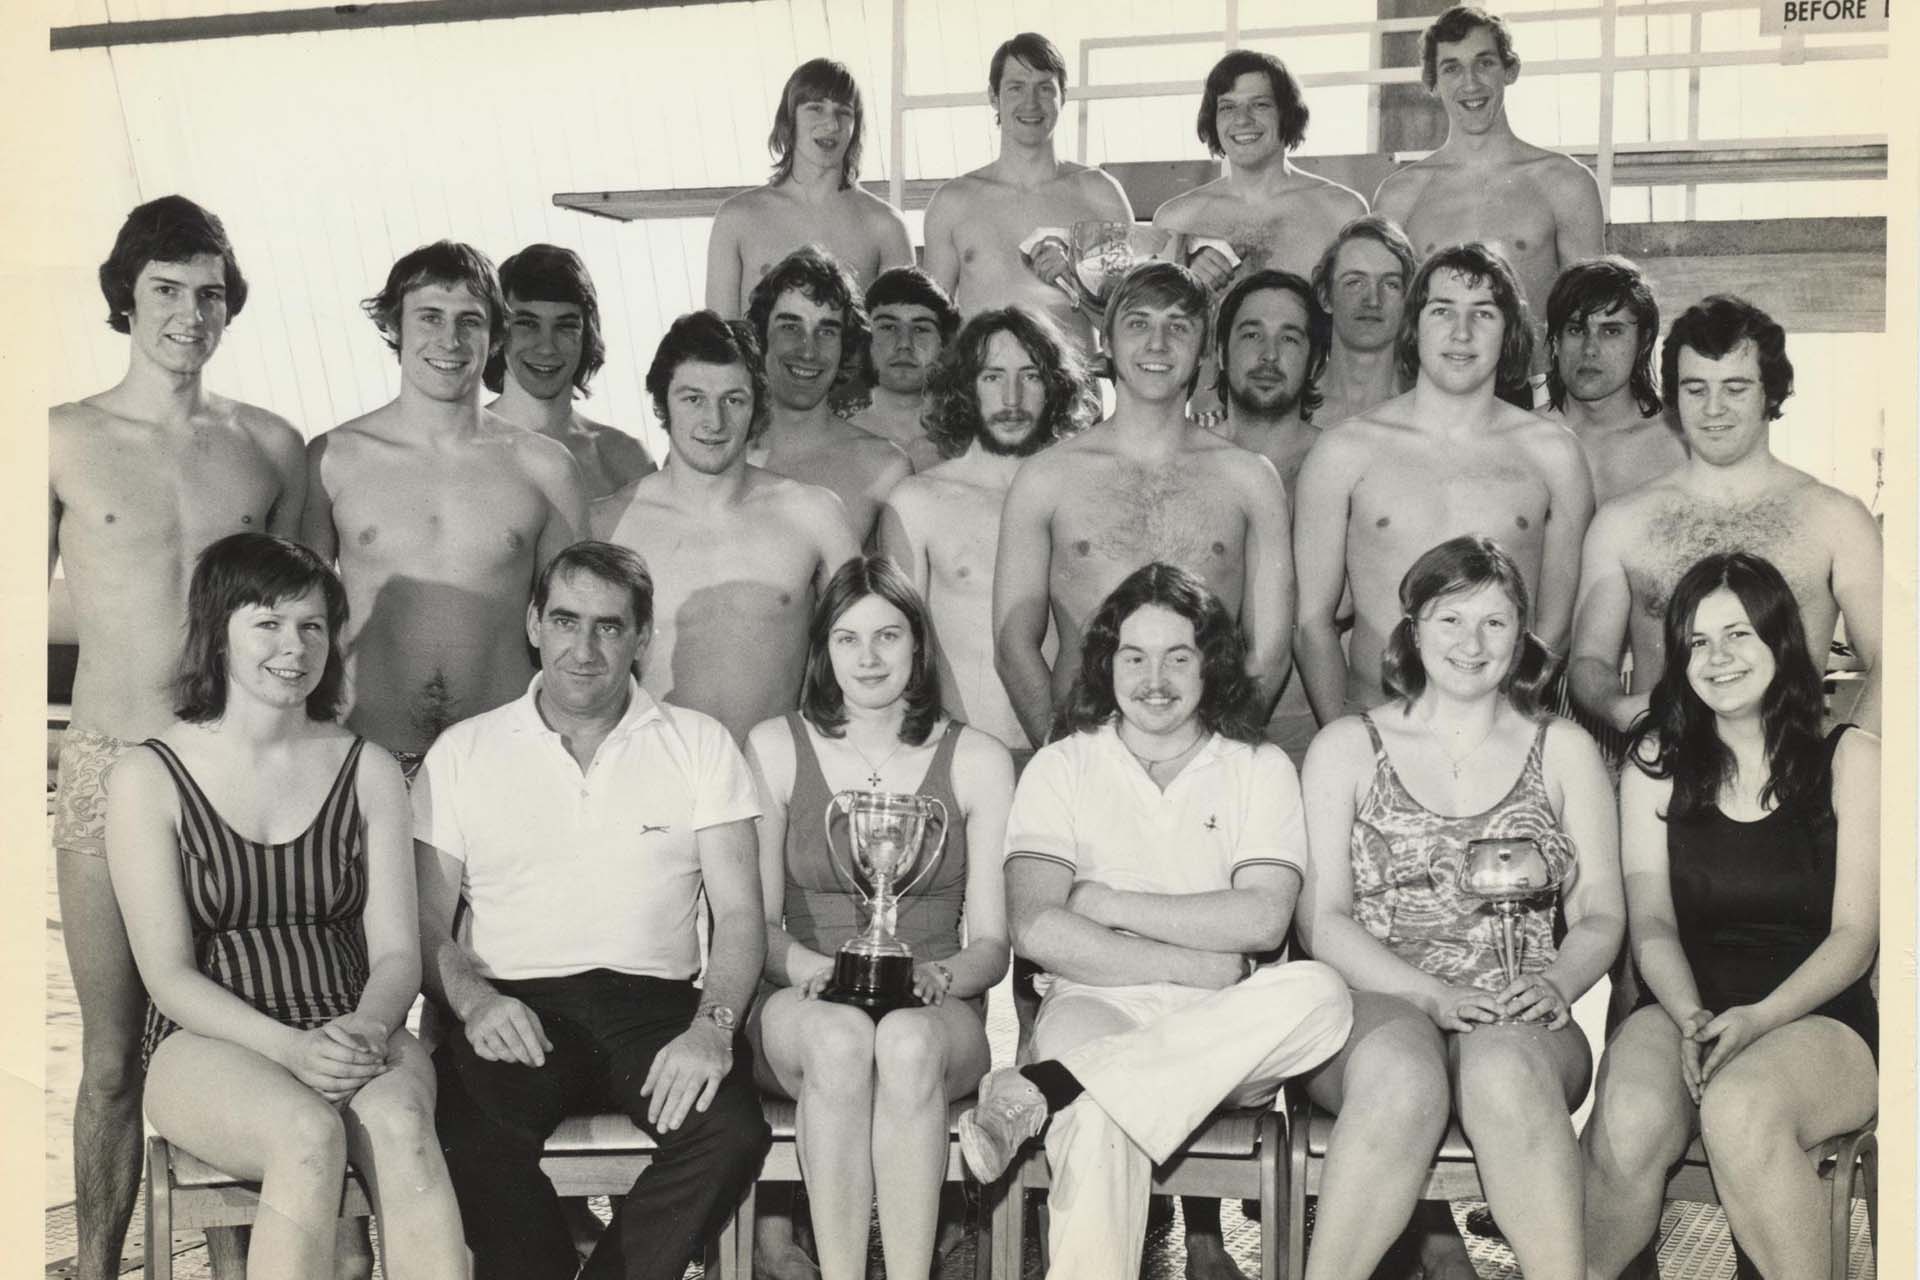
(262, 856)
(1751, 846)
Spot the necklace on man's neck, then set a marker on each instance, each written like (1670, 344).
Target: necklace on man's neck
(1148, 762)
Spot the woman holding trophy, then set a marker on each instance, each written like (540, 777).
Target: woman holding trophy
(1441, 825)
(1751, 843)
(879, 848)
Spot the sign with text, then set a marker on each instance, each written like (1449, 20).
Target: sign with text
(1780, 17)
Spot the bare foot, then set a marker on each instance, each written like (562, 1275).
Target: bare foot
(1208, 1259)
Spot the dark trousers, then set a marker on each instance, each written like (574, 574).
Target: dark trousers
(494, 1117)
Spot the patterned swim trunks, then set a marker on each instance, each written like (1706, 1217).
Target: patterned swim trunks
(409, 762)
(80, 802)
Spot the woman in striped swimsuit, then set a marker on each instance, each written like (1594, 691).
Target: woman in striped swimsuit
(261, 855)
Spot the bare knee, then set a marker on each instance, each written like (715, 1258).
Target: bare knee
(836, 1051)
(1510, 1086)
(1397, 1080)
(1741, 1115)
(910, 1056)
(397, 1121)
(1638, 1128)
(110, 1068)
(309, 1142)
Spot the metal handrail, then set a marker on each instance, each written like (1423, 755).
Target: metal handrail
(1792, 50)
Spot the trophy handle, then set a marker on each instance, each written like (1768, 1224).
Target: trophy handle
(842, 800)
(940, 847)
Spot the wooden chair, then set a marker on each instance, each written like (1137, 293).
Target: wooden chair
(184, 1193)
(592, 1155)
(1236, 1154)
(1455, 1176)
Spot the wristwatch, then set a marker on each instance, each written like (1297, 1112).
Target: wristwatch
(719, 1014)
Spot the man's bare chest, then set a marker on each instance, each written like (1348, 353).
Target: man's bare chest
(1506, 209)
(1443, 494)
(1680, 534)
(1130, 517)
(489, 515)
(140, 491)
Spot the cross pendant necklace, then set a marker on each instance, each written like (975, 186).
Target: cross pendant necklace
(873, 770)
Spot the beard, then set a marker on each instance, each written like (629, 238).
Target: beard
(1026, 446)
(1255, 404)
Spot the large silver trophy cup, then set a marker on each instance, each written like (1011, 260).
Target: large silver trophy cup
(1102, 252)
(1504, 873)
(886, 834)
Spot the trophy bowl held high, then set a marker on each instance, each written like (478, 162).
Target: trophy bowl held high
(886, 843)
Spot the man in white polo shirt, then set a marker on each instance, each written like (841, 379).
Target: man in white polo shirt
(1152, 849)
(580, 823)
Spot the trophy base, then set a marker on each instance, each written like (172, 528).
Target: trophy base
(877, 983)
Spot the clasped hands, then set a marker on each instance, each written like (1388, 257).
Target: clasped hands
(337, 1059)
(1530, 998)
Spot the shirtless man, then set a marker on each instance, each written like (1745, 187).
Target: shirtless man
(1602, 323)
(1362, 282)
(978, 221)
(1254, 115)
(1147, 484)
(552, 351)
(1724, 372)
(1538, 208)
(738, 553)
(1271, 338)
(807, 316)
(913, 320)
(1446, 458)
(440, 513)
(141, 477)
(812, 198)
(1006, 388)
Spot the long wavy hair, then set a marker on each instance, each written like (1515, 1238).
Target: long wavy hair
(821, 699)
(1476, 263)
(244, 569)
(1226, 691)
(952, 416)
(1678, 735)
(1457, 566)
(817, 80)
(1600, 286)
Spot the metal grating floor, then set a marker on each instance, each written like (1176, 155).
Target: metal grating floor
(1694, 1246)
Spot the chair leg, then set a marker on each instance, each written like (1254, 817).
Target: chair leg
(982, 1236)
(1005, 1200)
(736, 1239)
(158, 1264)
(1297, 1196)
(1273, 1190)
(1839, 1182)
(1870, 1185)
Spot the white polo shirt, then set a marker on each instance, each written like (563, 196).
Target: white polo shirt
(1087, 804)
(566, 870)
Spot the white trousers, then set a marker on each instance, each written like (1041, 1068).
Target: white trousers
(1155, 1062)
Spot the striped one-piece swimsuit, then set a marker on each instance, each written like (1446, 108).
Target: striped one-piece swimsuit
(276, 924)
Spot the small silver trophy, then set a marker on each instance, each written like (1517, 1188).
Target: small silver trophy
(886, 834)
(1504, 873)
